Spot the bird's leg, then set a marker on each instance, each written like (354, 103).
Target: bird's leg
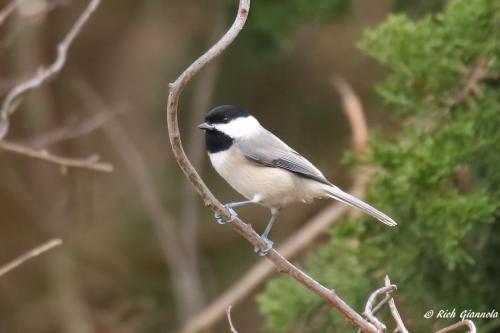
(265, 234)
(232, 213)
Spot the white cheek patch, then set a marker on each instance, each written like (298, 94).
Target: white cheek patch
(239, 127)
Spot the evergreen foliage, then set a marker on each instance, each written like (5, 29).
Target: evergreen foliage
(439, 178)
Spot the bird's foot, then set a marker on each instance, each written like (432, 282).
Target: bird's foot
(232, 216)
(269, 247)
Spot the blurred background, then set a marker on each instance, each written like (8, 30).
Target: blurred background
(140, 252)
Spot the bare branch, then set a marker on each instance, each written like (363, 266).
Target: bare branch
(72, 131)
(209, 199)
(231, 327)
(468, 323)
(394, 311)
(354, 111)
(30, 255)
(384, 301)
(201, 99)
(369, 313)
(186, 282)
(380, 304)
(13, 98)
(303, 237)
(91, 163)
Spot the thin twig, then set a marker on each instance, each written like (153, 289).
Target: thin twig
(30, 255)
(394, 311)
(209, 199)
(354, 110)
(369, 313)
(305, 236)
(231, 326)
(72, 131)
(91, 163)
(201, 99)
(13, 98)
(468, 323)
(380, 304)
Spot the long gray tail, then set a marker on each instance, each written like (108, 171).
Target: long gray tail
(336, 193)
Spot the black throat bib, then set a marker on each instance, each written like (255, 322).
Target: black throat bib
(217, 141)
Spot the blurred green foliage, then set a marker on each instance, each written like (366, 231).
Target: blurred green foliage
(419, 7)
(439, 178)
(273, 23)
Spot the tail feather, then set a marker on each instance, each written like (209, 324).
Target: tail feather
(336, 193)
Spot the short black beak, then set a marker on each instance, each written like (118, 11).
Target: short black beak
(206, 126)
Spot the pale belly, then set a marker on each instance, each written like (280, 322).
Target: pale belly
(274, 187)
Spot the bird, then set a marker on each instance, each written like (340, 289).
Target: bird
(265, 170)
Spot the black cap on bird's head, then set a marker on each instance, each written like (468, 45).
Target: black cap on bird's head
(222, 115)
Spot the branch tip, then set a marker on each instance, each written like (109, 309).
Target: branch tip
(30, 255)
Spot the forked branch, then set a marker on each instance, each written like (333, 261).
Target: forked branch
(13, 98)
(369, 311)
(90, 163)
(211, 201)
(15, 95)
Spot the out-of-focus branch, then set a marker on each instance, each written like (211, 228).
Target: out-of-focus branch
(231, 326)
(354, 110)
(36, 8)
(72, 131)
(13, 98)
(245, 230)
(401, 328)
(188, 228)
(90, 163)
(470, 325)
(30, 255)
(369, 312)
(185, 282)
(307, 234)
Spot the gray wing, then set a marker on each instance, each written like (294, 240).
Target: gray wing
(268, 150)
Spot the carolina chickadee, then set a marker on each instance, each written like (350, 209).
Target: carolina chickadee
(264, 169)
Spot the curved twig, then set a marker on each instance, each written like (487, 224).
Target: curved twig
(231, 326)
(394, 310)
(468, 323)
(369, 312)
(13, 98)
(209, 199)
